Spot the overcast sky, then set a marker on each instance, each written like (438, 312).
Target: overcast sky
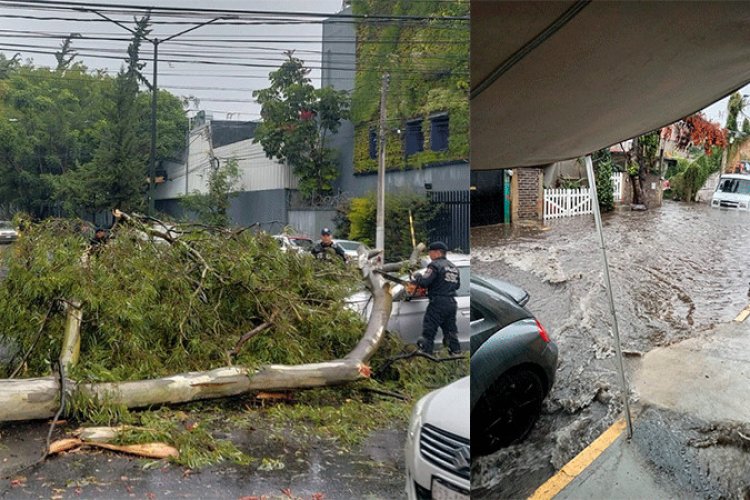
(222, 89)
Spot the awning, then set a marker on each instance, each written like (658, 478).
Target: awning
(557, 80)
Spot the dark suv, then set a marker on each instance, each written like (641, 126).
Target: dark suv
(513, 363)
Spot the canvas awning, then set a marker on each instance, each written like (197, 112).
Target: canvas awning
(557, 80)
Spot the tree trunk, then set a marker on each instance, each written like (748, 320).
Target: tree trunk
(38, 398)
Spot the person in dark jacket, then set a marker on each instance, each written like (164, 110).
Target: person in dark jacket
(100, 237)
(441, 279)
(326, 247)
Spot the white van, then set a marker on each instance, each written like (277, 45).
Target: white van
(733, 191)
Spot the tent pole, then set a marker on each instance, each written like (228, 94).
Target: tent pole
(608, 282)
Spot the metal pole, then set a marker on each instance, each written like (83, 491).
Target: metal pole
(615, 329)
(380, 218)
(154, 97)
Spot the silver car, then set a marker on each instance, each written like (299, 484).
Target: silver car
(8, 233)
(407, 313)
(351, 247)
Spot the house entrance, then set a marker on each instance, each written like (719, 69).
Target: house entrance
(487, 197)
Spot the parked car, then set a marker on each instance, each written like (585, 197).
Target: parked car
(733, 191)
(438, 455)
(407, 313)
(350, 248)
(513, 364)
(294, 243)
(8, 233)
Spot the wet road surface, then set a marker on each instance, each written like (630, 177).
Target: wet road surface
(676, 271)
(308, 469)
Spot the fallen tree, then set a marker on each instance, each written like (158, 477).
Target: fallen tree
(208, 267)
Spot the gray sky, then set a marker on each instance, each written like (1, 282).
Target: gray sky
(718, 111)
(222, 89)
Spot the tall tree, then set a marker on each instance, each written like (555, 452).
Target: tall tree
(66, 54)
(298, 121)
(212, 208)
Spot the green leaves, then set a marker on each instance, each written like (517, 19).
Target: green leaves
(298, 120)
(149, 309)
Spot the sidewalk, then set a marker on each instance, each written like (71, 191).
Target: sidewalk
(690, 436)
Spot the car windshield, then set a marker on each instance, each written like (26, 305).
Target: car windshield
(349, 245)
(302, 243)
(739, 186)
(4, 224)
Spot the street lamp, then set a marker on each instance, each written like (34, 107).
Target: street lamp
(155, 91)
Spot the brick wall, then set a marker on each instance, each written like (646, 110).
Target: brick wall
(528, 196)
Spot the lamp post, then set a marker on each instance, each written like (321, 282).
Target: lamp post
(154, 87)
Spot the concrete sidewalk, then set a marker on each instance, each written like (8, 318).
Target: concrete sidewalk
(690, 435)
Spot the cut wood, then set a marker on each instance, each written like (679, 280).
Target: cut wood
(147, 450)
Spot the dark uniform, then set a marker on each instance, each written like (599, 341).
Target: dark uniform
(325, 247)
(441, 279)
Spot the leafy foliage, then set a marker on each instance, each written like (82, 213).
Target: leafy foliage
(428, 63)
(691, 175)
(357, 217)
(695, 130)
(298, 120)
(54, 123)
(602, 161)
(152, 309)
(212, 207)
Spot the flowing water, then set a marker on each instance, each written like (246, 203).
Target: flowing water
(676, 271)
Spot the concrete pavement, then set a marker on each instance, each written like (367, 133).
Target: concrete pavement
(691, 436)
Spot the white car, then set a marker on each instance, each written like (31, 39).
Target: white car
(407, 313)
(294, 243)
(438, 452)
(733, 191)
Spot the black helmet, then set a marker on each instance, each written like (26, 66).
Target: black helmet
(438, 245)
(325, 230)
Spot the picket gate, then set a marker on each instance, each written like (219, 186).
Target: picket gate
(567, 202)
(618, 178)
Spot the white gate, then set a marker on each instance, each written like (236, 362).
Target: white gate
(566, 202)
(617, 181)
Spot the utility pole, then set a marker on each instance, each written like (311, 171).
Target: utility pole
(380, 218)
(152, 159)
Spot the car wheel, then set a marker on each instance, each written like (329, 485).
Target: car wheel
(507, 412)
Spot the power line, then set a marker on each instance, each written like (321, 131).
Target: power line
(205, 12)
(22, 47)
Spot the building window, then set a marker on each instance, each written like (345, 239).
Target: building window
(439, 133)
(414, 137)
(373, 143)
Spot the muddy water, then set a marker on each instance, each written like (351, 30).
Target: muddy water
(675, 271)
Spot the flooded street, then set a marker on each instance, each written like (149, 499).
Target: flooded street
(676, 271)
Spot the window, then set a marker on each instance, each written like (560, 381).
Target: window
(414, 137)
(439, 133)
(373, 144)
(741, 186)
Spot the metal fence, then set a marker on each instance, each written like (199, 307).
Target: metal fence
(451, 225)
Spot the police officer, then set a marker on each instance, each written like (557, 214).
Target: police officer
(100, 237)
(441, 279)
(326, 246)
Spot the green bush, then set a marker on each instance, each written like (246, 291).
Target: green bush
(602, 161)
(357, 219)
(690, 176)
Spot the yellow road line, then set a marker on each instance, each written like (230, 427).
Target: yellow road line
(572, 469)
(742, 316)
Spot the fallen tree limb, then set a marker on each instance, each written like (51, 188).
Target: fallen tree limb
(416, 354)
(37, 398)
